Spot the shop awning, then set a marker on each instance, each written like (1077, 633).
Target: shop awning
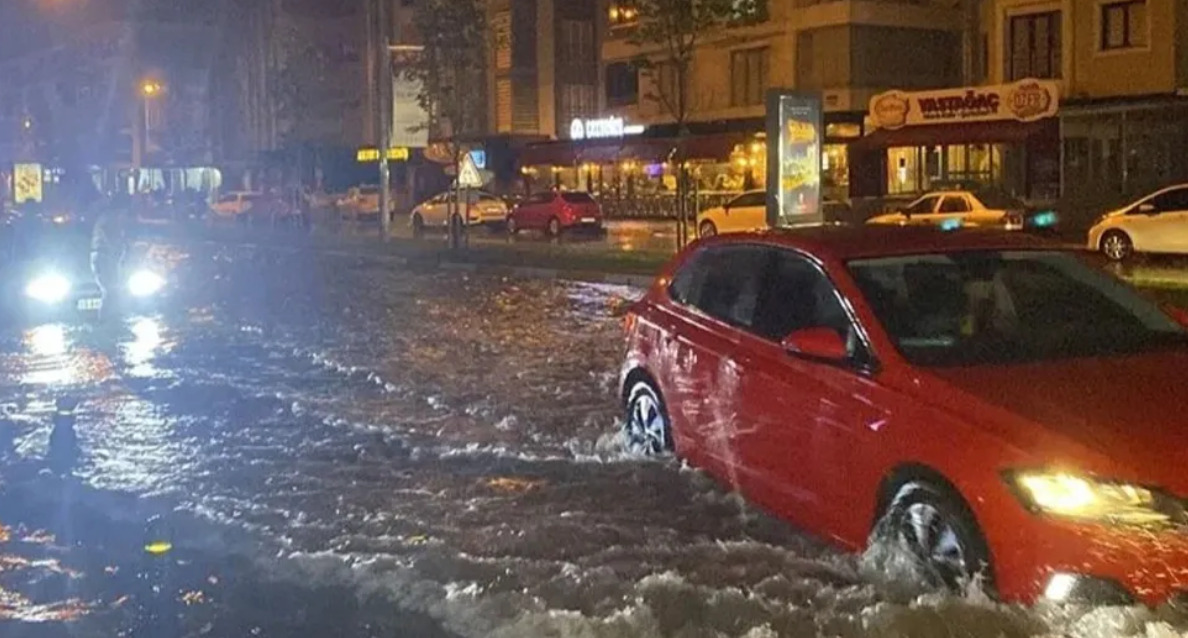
(715, 146)
(1004, 132)
(567, 153)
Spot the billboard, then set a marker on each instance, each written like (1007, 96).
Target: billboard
(795, 132)
(410, 122)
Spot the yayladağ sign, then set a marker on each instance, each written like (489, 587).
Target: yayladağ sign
(1025, 101)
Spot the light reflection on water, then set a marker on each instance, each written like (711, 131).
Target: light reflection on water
(144, 346)
(50, 362)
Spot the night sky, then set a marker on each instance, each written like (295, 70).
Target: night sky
(30, 24)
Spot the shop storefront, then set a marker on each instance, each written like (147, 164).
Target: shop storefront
(1004, 137)
(1116, 150)
(631, 169)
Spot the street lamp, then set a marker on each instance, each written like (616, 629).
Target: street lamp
(149, 90)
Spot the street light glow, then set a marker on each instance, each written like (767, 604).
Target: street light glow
(150, 88)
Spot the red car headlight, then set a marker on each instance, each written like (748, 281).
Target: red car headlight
(1073, 496)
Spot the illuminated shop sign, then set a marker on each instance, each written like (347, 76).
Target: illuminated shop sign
(1024, 101)
(601, 128)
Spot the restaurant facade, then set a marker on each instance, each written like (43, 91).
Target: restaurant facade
(1003, 137)
(631, 168)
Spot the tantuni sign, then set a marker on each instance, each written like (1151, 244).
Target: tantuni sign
(1025, 101)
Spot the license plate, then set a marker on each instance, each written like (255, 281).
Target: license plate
(90, 304)
(589, 220)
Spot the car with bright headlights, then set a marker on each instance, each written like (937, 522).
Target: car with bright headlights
(990, 407)
(48, 276)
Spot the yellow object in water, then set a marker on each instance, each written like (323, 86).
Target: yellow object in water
(158, 548)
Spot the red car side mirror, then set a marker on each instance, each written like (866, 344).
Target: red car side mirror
(1178, 314)
(817, 343)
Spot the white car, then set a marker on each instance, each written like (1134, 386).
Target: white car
(956, 209)
(479, 208)
(1157, 223)
(745, 213)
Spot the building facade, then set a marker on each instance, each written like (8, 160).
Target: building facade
(839, 49)
(1122, 66)
(543, 66)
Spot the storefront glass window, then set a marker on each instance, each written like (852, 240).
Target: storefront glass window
(835, 171)
(903, 166)
(913, 170)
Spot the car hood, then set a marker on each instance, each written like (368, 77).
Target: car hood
(1131, 410)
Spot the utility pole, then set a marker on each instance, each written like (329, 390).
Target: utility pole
(383, 72)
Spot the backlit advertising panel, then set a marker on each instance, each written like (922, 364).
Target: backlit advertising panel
(795, 132)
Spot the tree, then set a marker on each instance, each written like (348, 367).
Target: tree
(668, 34)
(451, 73)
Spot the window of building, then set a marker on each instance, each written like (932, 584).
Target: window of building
(667, 80)
(1034, 46)
(622, 84)
(1124, 25)
(501, 33)
(576, 101)
(577, 41)
(503, 105)
(748, 11)
(913, 169)
(748, 76)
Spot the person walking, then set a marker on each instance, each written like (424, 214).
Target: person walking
(109, 243)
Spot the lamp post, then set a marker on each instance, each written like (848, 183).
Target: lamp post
(383, 75)
(147, 91)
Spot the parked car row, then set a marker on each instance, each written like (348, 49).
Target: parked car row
(553, 212)
(1156, 223)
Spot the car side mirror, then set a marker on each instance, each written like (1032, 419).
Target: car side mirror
(816, 343)
(1178, 314)
(1147, 209)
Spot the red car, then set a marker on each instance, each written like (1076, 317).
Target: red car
(994, 407)
(555, 212)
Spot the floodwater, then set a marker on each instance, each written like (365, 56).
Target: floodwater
(297, 444)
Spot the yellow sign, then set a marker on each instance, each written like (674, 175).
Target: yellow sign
(26, 183)
(395, 154)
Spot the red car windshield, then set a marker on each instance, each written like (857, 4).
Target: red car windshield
(1009, 307)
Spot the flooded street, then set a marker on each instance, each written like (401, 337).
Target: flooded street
(306, 445)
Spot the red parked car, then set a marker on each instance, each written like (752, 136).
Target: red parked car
(555, 212)
(994, 407)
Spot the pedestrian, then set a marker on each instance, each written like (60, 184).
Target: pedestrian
(109, 241)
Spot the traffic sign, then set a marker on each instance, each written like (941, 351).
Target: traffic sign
(468, 174)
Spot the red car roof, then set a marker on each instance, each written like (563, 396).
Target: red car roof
(843, 241)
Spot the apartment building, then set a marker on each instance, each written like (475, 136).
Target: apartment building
(544, 65)
(847, 50)
(1122, 69)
